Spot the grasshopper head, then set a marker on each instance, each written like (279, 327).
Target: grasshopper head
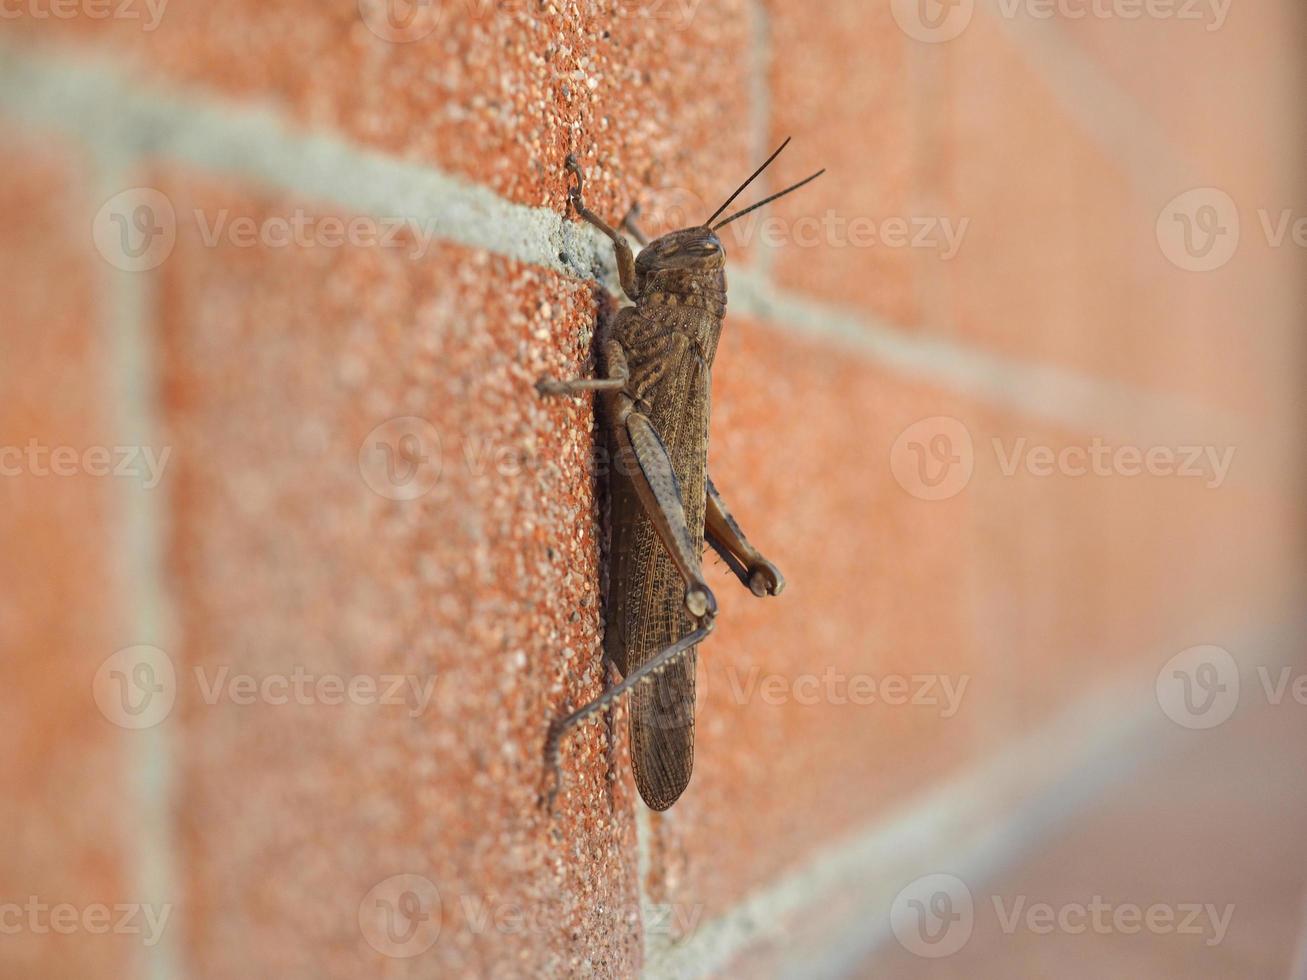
(688, 250)
(692, 261)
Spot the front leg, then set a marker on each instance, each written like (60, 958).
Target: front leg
(622, 248)
(759, 575)
(617, 375)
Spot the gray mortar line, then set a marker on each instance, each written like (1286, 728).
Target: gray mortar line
(138, 542)
(99, 103)
(1076, 758)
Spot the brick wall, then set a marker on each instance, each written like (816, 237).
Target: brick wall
(278, 280)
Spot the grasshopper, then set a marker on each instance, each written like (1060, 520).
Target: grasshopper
(656, 363)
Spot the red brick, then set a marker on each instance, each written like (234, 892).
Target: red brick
(1084, 577)
(877, 581)
(1062, 263)
(1223, 101)
(842, 86)
(499, 93)
(1163, 837)
(1222, 96)
(279, 363)
(66, 773)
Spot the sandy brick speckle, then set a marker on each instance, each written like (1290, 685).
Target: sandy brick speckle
(283, 558)
(650, 95)
(66, 774)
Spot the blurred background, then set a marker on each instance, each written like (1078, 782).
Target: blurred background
(298, 567)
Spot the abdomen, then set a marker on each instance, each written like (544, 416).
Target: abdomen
(646, 607)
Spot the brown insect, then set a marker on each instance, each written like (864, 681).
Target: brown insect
(656, 359)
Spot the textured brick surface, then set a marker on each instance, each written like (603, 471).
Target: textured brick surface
(497, 92)
(65, 773)
(485, 586)
(1168, 841)
(841, 86)
(1081, 572)
(1193, 78)
(867, 601)
(365, 487)
(1062, 261)
(1196, 85)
